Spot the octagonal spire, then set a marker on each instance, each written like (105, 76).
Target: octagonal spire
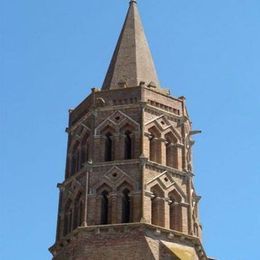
(132, 61)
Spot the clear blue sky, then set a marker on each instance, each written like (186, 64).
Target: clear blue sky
(53, 52)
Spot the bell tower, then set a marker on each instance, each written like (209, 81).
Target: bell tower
(128, 190)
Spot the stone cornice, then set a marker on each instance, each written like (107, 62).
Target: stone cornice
(148, 163)
(117, 107)
(116, 163)
(162, 168)
(147, 229)
(162, 111)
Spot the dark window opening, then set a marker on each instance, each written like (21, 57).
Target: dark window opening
(154, 211)
(73, 164)
(81, 213)
(128, 146)
(151, 148)
(84, 151)
(108, 147)
(83, 156)
(67, 222)
(104, 208)
(75, 219)
(78, 212)
(125, 206)
(78, 161)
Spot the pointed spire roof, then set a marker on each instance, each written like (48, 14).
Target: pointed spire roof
(132, 61)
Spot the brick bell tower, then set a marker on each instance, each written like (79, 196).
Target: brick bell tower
(128, 191)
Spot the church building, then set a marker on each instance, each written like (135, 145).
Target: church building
(128, 190)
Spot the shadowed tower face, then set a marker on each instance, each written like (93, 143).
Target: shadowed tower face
(128, 190)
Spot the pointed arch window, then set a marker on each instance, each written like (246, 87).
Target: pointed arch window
(126, 206)
(128, 145)
(108, 147)
(104, 208)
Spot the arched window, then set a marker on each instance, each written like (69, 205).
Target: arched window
(171, 151)
(128, 145)
(84, 150)
(104, 208)
(108, 147)
(157, 207)
(126, 206)
(155, 145)
(67, 218)
(175, 211)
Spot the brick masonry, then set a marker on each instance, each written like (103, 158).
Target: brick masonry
(128, 190)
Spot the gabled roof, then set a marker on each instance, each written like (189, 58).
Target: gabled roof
(132, 61)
